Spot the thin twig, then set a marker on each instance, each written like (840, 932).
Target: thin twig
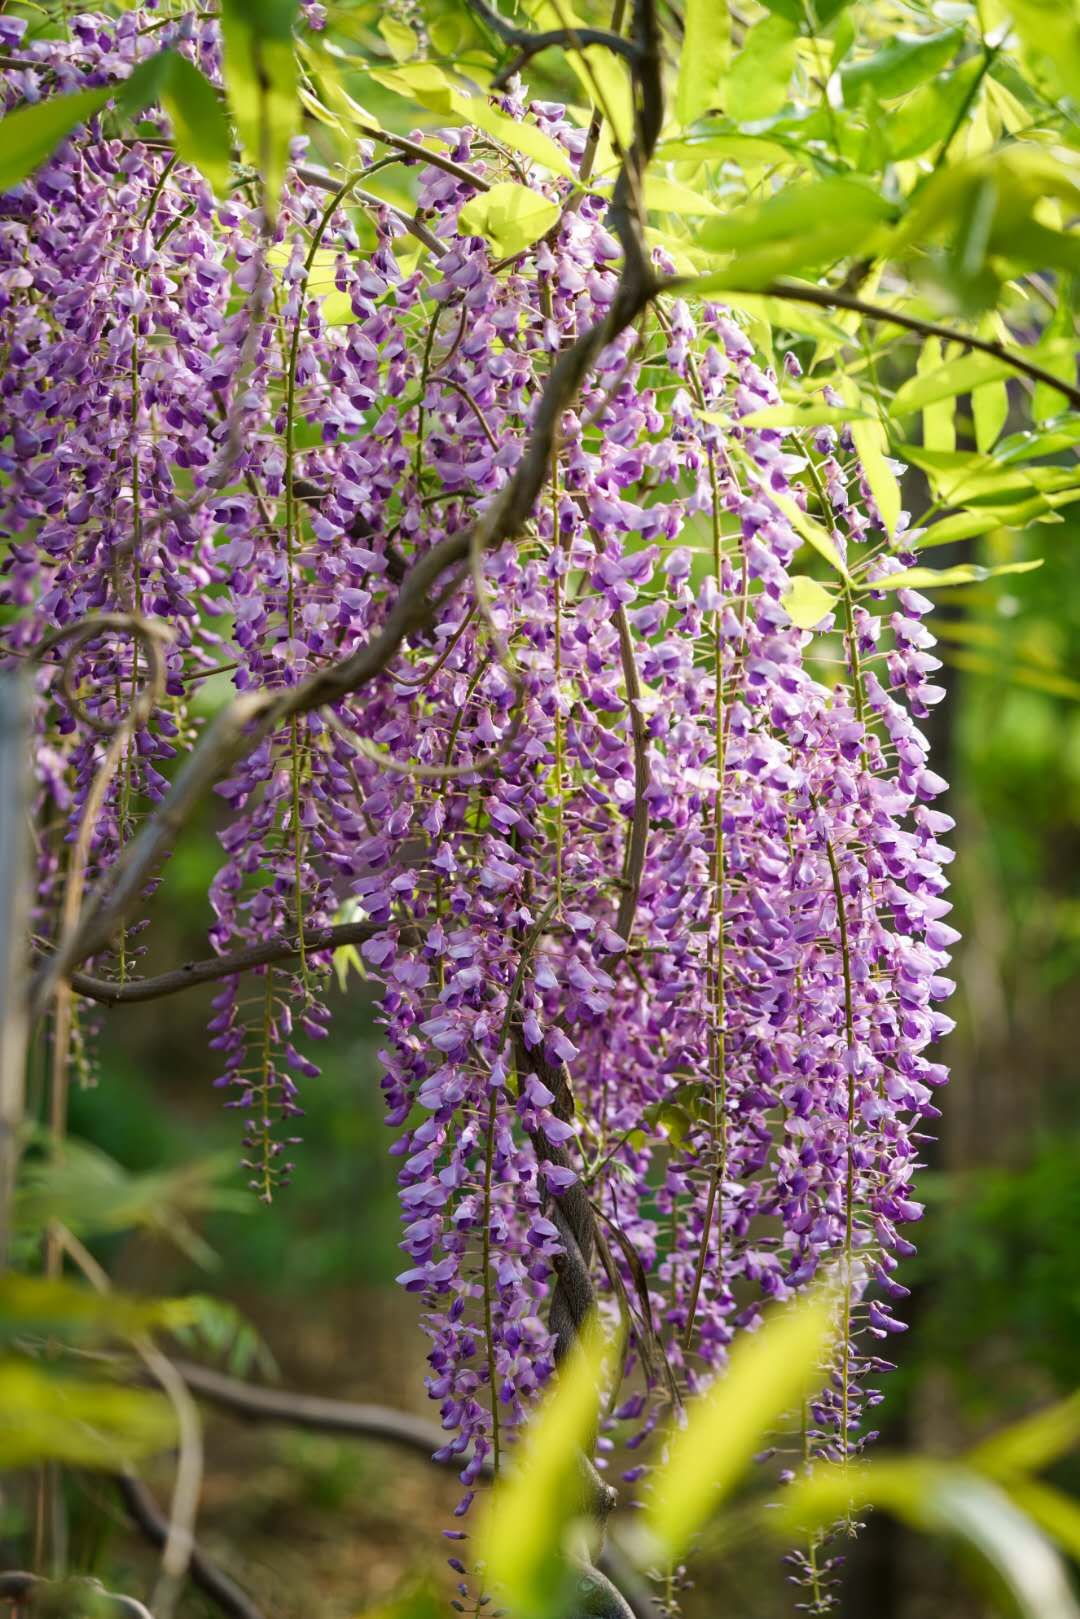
(828, 298)
(528, 44)
(179, 1540)
(148, 1517)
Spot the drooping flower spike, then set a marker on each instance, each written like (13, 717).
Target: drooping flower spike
(653, 881)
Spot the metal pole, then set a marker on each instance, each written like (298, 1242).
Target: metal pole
(14, 922)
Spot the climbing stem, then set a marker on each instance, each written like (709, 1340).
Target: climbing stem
(849, 1187)
(265, 1068)
(557, 559)
(319, 232)
(489, 1322)
(714, 1204)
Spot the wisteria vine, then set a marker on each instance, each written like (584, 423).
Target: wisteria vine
(647, 876)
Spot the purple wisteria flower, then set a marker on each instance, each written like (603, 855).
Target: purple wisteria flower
(656, 884)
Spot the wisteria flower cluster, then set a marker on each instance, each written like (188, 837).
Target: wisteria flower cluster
(653, 877)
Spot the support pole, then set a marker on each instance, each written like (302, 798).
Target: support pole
(14, 920)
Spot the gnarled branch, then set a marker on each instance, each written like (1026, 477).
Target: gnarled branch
(836, 298)
(528, 44)
(212, 968)
(148, 1517)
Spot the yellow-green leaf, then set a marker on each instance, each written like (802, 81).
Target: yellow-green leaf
(671, 196)
(870, 442)
(261, 80)
(1031, 1444)
(955, 377)
(1050, 32)
(960, 526)
(807, 601)
(200, 129)
(811, 531)
(758, 82)
(769, 1373)
(401, 40)
(939, 415)
(31, 134)
(604, 77)
(800, 416)
(800, 227)
(947, 1499)
(64, 1309)
(990, 409)
(75, 1420)
(965, 573)
(1054, 1511)
(534, 1504)
(1017, 674)
(510, 216)
(749, 151)
(704, 58)
(427, 84)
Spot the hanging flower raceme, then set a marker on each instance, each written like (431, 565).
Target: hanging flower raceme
(653, 881)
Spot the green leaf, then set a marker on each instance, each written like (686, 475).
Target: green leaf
(1061, 434)
(929, 116)
(965, 478)
(1050, 31)
(804, 525)
(510, 216)
(810, 530)
(219, 1327)
(604, 78)
(961, 526)
(762, 69)
(534, 1505)
(807, 602)
(200, 128)
(945, 1499)
(427, 84)
(990, 409)
(958, 376)
(31, 134)
(749, 151)
(939, 415)
(670, 196)
(1056, 352)
(1031, 1444)
(346, 959)
(144, 84)
(802, 227)
(946, 381)
(91, 1193)
(871, 445)
(64, 1309)
(261, 80)
(900, 66)
(965, 573)
(704, 58)
(768, 1374)
(1056, 1513)
(787, 315)
(86, 1424)
(401, 40)
(1041, 680)
(800, 416)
